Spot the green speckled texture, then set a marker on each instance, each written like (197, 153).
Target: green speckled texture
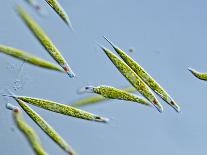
(22, 55)
(29, 133)
(46, 128)
(114, 93)
(59, 10)
(199, 75)
(96, 98)
(41, 36)
(133, 78)
(147, 78)
(61, 108)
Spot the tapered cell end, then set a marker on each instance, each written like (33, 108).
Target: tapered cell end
(191, 70)
(86, 89)
(194, 72)
(159, 108)
(157, 105)
(101, 119)
(175, 106)
(70, 74)
(68, 70)
(69, 24)
(110, 42)
(71, 152)
(100, 46)
(107, 51)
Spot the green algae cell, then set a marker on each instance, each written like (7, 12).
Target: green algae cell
(44, 40)
(145, 77)
(199, 75)
(46, 128)
(54, 4)
(114, 93)
(28, 132)
(60, 108)
(133, 78)
(25, 56)
(95, 98)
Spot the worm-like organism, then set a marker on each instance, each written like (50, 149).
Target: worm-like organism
(44, 40)
(114, 93)
(29, 133)
(133, 78)
(22, 55)
(199, 75)
(95, 98)
(46, 128)
(145, 77)
(59, 108)
(54, 4)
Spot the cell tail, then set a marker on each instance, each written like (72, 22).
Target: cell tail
(175, 106)
(68, 70)
(191, 70)
(159, 107)
(110, 42)
(101, 119)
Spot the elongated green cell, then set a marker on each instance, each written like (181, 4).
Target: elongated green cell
(96, 98)
(88, 100)
(22, 55)
(29, 133)
(145, 77)
(133, 78)
(46, 128)
(60, 11)
(60, 108)
(114, 93)
(199, 75)
(44, 40)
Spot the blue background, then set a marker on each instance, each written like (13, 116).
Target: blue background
(168, 37)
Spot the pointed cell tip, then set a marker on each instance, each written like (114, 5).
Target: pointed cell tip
(71, 153)
(71, 74)
(105, 120)
(100, 46)
(193, 71)
(190, 69)
(85, 89)
(102, 119)
(69, 24)
(175, 106)
(110, 42)
(178, 109)
(159, 108)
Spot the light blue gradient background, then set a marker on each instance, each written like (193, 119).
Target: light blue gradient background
(168, 37)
